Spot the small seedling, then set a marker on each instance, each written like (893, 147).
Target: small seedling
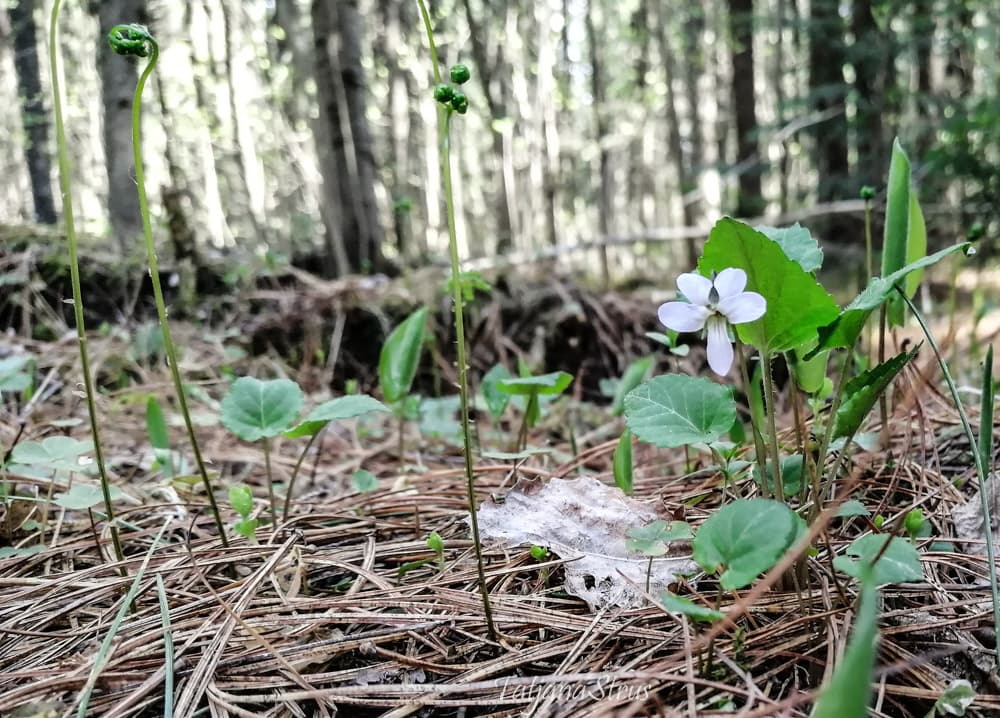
(241, 499)
(533, 387)
(436, 544)
(652, 540)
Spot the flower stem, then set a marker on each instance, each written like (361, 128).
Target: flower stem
(444, 146)
(758, 441)
(154, 276)
(769, 409)
(65, 186)
(977, 455)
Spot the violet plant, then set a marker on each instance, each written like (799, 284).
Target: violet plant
(757, 288)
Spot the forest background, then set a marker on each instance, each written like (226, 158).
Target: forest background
(289, 130)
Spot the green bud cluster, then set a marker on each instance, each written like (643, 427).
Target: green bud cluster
(867, 192)
(131, 39)
(451, 97)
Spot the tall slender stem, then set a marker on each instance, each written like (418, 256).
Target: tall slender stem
(65, 186)
(758, 441)
(977, 455)
(444, 140)
(154, 276)
(770, 402)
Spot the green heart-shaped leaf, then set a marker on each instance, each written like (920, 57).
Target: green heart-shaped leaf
(255, 409)
(675, 409)
(343, 407)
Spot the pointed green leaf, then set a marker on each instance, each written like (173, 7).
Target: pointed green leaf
(652, 539)
(675, 409)
(496, 400)
(745, 538)
(797, 243)
(863, 391)
(255, 409)
(634, 375)
(810, 374)
(156, 425)
(546, 384)
(796, 303)
(687, 607)
(343, 407)
(397, 364)
(241, 499)
(916, 244)
(986, 408)
(849, 691)
(845, 329)
(621, 463)
(897, 222)
(853, 507)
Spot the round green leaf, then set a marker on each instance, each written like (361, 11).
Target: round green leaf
(54, 453)
(255, 409)
(496, 400)
(85, 496)
(746, 538)
(675, 409)
(364, 481)
(900, 562)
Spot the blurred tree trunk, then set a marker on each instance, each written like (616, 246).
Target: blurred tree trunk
(871, 57)
(694, 69)
(750, 202)
(347, 158)
(827, 90)
(395, 19)
(493, 75)
(598, 90)
(34, 117)
(675, 144)
(118, 79)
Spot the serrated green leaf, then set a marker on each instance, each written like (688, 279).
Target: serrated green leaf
(861, 393)
(551, 384)
(343, 407)
(85, 496)
(255, 409)
(687, 607)
(745, 538)
(496, 400)
(797, 305)
(621, 463)
(846, 328)
(849, 691)
(899, 564)
(797, 243)
(675, 409)
(397, 364)
(634, 375)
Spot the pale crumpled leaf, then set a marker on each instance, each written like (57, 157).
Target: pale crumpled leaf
(584, 522)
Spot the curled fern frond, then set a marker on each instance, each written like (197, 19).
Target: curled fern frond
(132, 39)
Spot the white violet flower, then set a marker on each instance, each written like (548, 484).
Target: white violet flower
(714, 304)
